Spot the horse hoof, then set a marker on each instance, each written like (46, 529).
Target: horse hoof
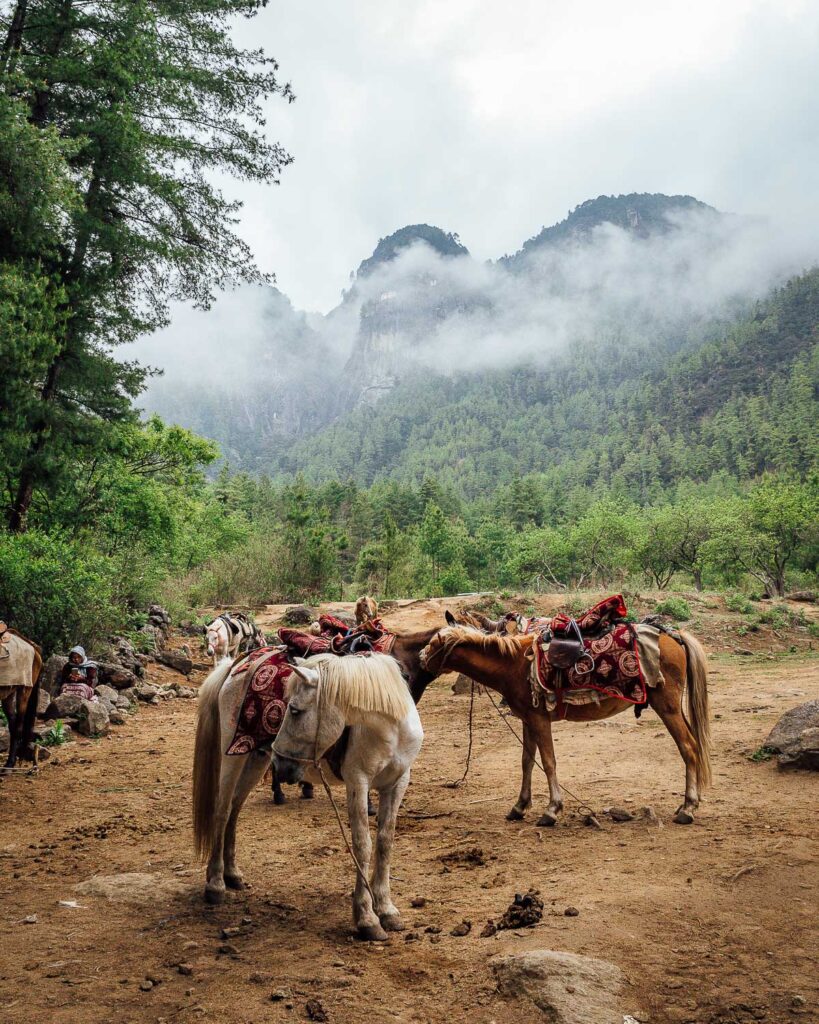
(392, 923)
(279, 799)
(546, 820)
(515, 815)
(235, 882)
(683, 817)
(214, 896)
(371, 933)
(307, 791)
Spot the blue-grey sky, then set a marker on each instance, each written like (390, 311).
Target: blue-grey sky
(494, 119)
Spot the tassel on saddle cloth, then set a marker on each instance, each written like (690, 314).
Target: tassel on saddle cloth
(609, 665)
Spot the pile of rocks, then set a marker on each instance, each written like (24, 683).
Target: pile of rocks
(158, 626)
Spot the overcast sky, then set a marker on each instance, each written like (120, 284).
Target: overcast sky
(493, 119)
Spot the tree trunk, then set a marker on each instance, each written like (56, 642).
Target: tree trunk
(14, 37)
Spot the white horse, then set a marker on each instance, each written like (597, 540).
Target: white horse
(225, 635)
(327, 694)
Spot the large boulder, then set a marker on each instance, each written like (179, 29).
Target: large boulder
(566, 987)
(795, 737)
(43, 702)
(66, 705)
(52, 670)
(147, 692)
(115, 675)
(93, 719)
(124, 652)
(298, 615)
(175, 660)
(463, 684)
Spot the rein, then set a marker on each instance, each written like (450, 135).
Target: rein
(315, 762)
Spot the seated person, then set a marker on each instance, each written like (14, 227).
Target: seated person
(79, 675)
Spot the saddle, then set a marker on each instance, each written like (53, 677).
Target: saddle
(565, 650)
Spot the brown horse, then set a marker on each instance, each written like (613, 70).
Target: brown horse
(19, 688)
(503, 664)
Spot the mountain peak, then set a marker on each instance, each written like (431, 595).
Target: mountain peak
(443, 242)
(640, 213)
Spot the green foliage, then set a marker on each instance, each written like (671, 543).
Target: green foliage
(738, 603)
(762, 754)
(676, 608)
(813, 630)
(54, 736)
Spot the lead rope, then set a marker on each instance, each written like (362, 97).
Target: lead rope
(315, 761)
(460, 782)
(581, 804)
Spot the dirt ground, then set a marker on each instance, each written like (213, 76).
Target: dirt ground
(715, 923)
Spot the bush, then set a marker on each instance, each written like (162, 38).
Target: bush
(676, 608)
(738, 603)
(57, 592)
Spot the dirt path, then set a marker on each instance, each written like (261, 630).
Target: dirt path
(713, 923)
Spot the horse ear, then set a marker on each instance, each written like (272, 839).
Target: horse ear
(450, 618)
(309, 675)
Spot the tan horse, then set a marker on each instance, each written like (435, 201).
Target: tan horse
(502, 663)
(19, 687)
(365, 609)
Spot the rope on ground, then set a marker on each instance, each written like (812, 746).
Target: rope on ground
(460, 782)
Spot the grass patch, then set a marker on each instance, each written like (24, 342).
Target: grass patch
(762, 753)
(55, 737)
(739, 603)
(676, 608)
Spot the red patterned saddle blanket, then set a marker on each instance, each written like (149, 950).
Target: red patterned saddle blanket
(265, 702)
(336, 637)
(609, 666)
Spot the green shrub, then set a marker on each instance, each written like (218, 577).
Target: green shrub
(813, 630)
(738, 603)
(780, 617)
(55, 737)
(675, 608)
(57, 592)
(762, 754)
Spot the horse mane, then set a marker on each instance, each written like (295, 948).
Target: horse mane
(477, 620)
(453, 636)
(371, 684)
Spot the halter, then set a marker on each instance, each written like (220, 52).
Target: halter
(315, 760)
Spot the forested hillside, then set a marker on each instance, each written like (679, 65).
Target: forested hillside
(627, 416)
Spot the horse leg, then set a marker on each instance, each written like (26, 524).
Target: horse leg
(667, 702)
(364, 917)
(389, 800)
(9, 707)
(542, 728)
(254, 769)
(307, 790)
(527, 764)
(278, 793)
(230, 772)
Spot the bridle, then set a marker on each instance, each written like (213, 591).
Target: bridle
(315, 760)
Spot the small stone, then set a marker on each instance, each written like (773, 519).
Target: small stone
(489, 929)
(228, 949)
(797, 1000)
(464, 928)
(620, 814)
(146, 985)
(418, 901)
(591, 821)
(571, 912)
(411, 937)
(315, 1011)
(260, 978)
(185, 969)
(432, 929)
(229, 933)
(649, 814)
(191, 945)
(31, 919)
(278, 995)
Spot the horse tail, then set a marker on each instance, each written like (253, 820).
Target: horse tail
(696, 674)
(207, 757)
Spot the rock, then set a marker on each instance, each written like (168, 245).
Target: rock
(185, 692)
(93, 719)
(809, 596)
(4, 738)
(173, 659)
(31, 919)
(157, 614)
(298, 615)
(568, 988)
(156, 635)
(146, 985)
(464, 928)
(315, 1011)
(43, 702)
(147, 692)
(185, 969)
(342, 616)
(743, 651)
(52, 670)
(795, 737)
(67, 705)
(418, 901)
(489, 929)
(463, 684)
(130, 695)
(278, 995)
(114, 676)
(228, 949)
(124, 652)
(108, 697)
(117, 717)
(571, 912)
(620, 814)
(649, 814)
